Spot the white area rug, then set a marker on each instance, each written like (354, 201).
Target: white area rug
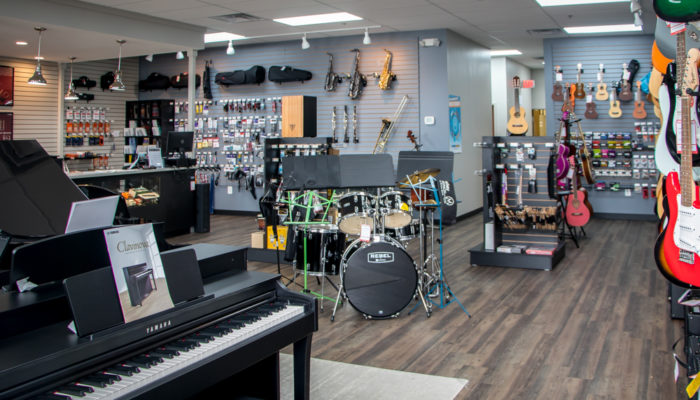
(336, 380)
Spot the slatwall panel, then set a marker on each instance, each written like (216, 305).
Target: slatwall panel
(114, 103)
(35, 109)
(372, 105)
(612, 52)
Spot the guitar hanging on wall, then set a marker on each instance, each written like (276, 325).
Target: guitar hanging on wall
(625, 87)
(602, 89)
(615, 111)
(591, 112)
(580, 92)
(517, 125)
(639, 111)
(557, 94)
(682, 205)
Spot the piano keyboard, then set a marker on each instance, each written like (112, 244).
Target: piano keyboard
(141, 371)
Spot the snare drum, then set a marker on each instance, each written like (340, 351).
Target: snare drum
(324, 250)
(406, 233)
(355, 209)
(396, 209)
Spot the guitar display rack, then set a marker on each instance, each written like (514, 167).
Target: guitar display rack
(502, 152)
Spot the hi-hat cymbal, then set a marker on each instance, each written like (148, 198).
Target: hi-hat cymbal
(419, 176)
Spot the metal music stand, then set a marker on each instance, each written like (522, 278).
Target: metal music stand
(439, 287)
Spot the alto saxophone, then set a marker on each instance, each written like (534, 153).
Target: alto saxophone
(357, 80)
(386, 77)
(332, 79)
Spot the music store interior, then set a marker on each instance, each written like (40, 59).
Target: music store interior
(335, 199)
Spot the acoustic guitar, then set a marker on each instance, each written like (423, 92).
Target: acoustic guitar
(639, 111)
(625, 87)
(577, 214)
(517, 125)
(585, 158)
(591, 112)
(682, 206)
(615, 111)
(580, 92)
(557, 94)
(601, 93)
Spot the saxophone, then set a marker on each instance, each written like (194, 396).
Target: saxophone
(332, 79)
(386, 77)
(357, 80)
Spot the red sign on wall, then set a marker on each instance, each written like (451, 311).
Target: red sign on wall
(7, 85)
(5, 126)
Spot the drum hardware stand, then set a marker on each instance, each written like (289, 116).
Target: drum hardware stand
(440, 287)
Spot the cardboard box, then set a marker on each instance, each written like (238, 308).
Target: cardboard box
(272, 241)
(257, 240)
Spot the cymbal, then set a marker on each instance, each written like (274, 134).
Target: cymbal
(419, 176)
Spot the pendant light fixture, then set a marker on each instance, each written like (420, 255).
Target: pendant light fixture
(70, 94)
(38, 78)
(304, 43)
(230, 50)
(118, 84)
(366, 40)
(180, 55)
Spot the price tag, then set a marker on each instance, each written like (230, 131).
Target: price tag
(559, 76)
(600, 76)
(365, 232)
(229, 189)
(679, 138)
(626, 75)
(676, 28)
(191, 186)
(628, 193)
(589, 98)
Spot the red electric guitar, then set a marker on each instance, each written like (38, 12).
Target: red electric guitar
(678, 239)
(577, 213)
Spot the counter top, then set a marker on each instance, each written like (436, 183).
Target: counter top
(115, 172)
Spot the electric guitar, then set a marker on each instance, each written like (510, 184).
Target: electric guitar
(577, 214)
(557, 94)
(682, 205)
(677, 10)
(615, 111)
(591, 112)
(580, 92)
(585, 158)
(517, 125)
(639, 111)
(625, 87)
(602, 89)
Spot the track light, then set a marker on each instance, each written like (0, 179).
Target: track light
(149, 58)
(366, 40)
(118, 84)
(70, 94)
(304, 43)
(180, 55)
(230, 50)
(38, 78)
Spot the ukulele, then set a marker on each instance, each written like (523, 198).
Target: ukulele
(639, 111)
(580, 92)
(614, 111)
(577, 214)
(517, 125)
(590, 113)
(557, 94)
(682, 205)
(625, 87)
(602, 89)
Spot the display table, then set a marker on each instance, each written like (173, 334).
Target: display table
(152, 195)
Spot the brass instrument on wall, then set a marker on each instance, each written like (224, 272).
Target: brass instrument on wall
(332, 79)
(388, 128)
(357, 80)
(386, 77)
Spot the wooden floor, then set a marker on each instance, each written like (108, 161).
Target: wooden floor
(595, 327)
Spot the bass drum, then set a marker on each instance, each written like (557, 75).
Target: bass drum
(379, 278)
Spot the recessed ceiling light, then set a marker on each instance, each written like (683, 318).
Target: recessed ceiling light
(511, 52)
(602, 29)
(554, 3)
(318, 19)
(221, 37)
(21, 43)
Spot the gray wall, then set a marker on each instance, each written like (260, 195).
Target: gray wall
(468, 76)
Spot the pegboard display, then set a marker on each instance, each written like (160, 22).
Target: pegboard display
(527, 227)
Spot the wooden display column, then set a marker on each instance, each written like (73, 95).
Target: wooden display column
(298, 116)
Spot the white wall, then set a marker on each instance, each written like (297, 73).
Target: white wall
(468, 73)
(499, 88)
(538, 93)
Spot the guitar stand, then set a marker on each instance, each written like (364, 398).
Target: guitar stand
(572, 229)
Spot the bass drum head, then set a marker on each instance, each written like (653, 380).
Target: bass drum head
(379, 278)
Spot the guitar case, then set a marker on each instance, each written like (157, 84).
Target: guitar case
(106, 80)
(207, 82)
(180, 81)
(287, 74)
(84, 82)
(154, 81)
(255, 74)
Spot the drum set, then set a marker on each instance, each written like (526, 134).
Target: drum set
(366, 245)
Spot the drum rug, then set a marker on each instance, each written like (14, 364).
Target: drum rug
(336, 380)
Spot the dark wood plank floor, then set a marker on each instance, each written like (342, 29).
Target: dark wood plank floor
(596, 327)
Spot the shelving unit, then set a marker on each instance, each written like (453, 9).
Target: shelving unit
(147, 123)
(512, 153)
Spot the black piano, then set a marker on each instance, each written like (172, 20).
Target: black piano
(227, 339)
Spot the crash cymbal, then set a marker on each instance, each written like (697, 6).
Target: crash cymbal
(419, 176)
